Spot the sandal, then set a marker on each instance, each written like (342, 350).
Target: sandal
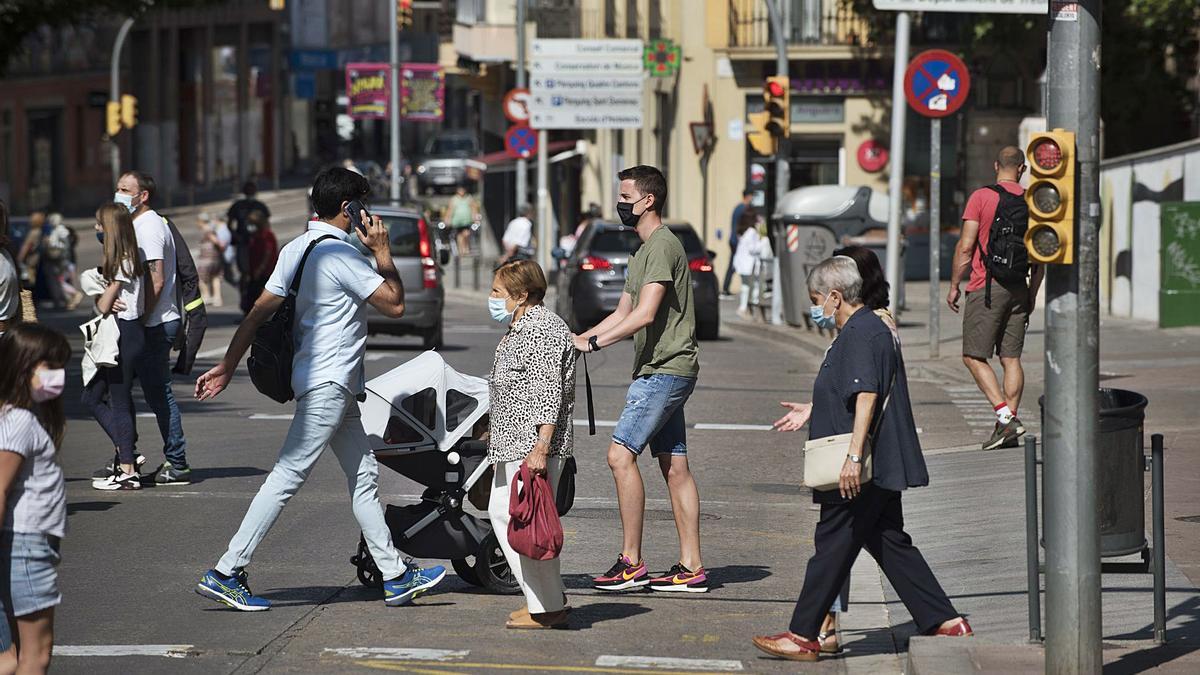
(829, 643)
(809, 650)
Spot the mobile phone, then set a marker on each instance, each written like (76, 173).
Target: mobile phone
(354, 210)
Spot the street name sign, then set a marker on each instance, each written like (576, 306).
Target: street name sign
(974, 6)
(587, 84)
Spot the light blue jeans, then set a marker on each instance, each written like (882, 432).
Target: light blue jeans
(326, 415)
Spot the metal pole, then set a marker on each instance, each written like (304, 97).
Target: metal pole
(522, 167)
(394, 98)
(1033, 579)
(114, 95)
(1073, 627)
(935, 236)
(896, 168)
(782, 152)
(543, 203)
(1160, 554)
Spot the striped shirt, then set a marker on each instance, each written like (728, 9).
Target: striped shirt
(37, 498)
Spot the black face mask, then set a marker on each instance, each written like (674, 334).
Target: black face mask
(626, 214)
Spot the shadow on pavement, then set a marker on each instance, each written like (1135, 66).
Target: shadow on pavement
(1181, 641)
(77, 507)
(201, 475)
(586, 616)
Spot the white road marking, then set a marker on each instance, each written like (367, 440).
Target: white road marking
(265, 416)
(599, 423)
(397, 653)
(723, 665)
(146, 414)
(208, 354)
(169, 651)
(379, 356)
(732, 427)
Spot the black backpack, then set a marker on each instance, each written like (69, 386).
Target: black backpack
(271, 353)
(192, 312)
(1006, 258)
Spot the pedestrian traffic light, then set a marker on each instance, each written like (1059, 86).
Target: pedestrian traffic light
(128, 111)
(404, 14)
(112, 122)
(1050, 238)
(760, 139)
(777, 103)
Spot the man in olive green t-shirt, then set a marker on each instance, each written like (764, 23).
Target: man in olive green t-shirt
(656, 309)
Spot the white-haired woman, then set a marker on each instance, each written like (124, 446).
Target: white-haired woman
(862, 369)
(214, 239)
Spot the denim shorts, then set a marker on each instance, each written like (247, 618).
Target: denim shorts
(653, 415)
(32, 580)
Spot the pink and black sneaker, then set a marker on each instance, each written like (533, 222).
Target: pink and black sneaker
(681, 580)
(623, 576)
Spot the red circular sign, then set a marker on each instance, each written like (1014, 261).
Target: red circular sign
(872, 156)
(516, 106)
(936, 83)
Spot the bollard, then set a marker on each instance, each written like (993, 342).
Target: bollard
(1160, 555)
(475, 273)
(457, 269)
(1033, 577)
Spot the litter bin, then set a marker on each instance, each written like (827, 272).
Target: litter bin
(1121, 467)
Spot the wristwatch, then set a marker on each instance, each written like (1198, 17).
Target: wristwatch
(857, 459)
(594, 343)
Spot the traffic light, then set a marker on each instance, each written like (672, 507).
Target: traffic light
(760, 139)
(404, 14)
(277, 5)
(128, 111)
(112, 121)
(1051, 197)
(777, 103)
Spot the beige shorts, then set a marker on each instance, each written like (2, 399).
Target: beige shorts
(999, 329)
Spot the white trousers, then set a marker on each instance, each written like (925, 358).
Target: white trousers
(541, 580)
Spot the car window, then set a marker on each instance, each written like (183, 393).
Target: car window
(691, 242)
(405, 234)
(615, 241)
(450, 145)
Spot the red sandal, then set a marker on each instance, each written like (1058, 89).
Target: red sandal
(809, 649)
(960, 629)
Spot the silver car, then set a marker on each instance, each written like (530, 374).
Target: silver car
(419, 261)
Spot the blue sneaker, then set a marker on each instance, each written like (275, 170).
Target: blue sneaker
(415, 581)
(232, 591)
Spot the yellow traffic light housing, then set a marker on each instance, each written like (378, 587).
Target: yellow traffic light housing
(1050, 238)
(404, 14)
(777, 104)
(128, 111)
(760, 139)
(112, 118)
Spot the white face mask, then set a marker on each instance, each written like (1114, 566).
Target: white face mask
(498, 308)
(125, 200)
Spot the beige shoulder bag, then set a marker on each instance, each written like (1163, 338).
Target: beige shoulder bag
(824, 457)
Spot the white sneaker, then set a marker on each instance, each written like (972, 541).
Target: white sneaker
(124, 481)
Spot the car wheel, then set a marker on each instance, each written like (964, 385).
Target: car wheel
(433, 338)
(708, 331)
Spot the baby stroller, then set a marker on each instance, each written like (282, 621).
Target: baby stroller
(424, 420)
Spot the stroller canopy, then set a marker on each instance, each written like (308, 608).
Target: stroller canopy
(422, 404)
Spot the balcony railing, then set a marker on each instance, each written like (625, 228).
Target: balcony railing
(805, 22)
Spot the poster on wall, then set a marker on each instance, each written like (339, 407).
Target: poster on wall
(422, 92)
(367, 90)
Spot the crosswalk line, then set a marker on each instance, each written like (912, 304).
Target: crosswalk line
(397, 653)
(663, 662)
(732, 427)
(168, 651)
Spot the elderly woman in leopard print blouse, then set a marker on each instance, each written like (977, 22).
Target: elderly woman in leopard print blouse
(532, 401)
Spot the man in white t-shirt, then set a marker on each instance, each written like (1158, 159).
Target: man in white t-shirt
(518, 235)
(161, 317)
(330, 333)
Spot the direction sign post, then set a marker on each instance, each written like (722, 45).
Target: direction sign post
(936, 85)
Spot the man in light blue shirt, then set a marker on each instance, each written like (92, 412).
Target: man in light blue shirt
(330, 331)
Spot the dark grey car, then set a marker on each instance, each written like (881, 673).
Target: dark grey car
(447, 162)
(590, 284)
(419, 263)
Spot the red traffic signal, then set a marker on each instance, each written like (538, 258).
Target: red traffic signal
(775, 88)
(1046, 154)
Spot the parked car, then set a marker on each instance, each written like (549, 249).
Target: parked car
(593, 277)
(447, 162)
(419, 261)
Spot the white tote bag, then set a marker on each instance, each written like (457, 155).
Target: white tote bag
(101, 345)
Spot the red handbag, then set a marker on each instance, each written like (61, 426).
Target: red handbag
(534, 529)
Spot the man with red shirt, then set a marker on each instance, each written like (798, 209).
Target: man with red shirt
(997, 312)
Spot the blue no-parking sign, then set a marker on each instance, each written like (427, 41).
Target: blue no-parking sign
(936, 83)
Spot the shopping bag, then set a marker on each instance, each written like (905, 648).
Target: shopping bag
(534, 529)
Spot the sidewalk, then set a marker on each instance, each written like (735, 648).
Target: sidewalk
(970, 521)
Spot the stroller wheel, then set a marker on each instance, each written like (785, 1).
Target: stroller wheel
(492, 568)
(368, 572)
(465, 569)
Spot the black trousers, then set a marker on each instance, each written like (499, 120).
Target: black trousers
(729, 269)
(110, 393)
(875, 521)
